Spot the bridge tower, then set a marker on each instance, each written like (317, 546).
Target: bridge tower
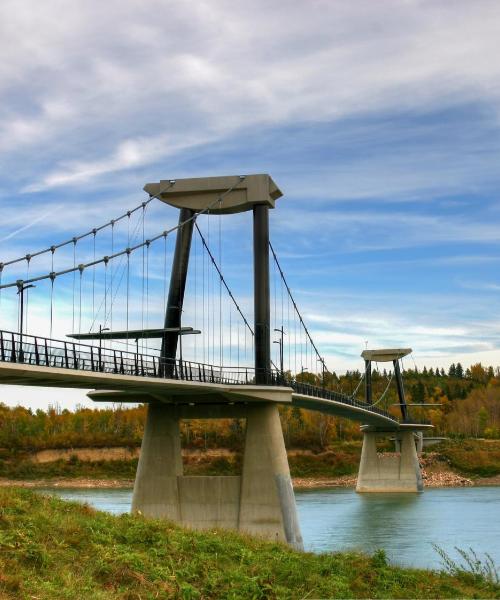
(389, 473)
(261, 500)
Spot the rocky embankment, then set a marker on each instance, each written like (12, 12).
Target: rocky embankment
(437, 473)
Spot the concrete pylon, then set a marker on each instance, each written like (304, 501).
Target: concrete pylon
(267, 506)
(397, 473)
(260, 502)
(156, 492)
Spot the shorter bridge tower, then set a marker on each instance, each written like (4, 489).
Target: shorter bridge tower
(399, 472)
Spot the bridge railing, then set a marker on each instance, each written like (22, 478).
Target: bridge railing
(308, 389)
(41, 351)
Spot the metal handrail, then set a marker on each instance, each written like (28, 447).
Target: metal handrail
(41, 351)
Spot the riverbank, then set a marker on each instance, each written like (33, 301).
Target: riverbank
(431, 480)
(53, 549)
(452, 464)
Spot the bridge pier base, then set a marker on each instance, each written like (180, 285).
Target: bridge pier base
(156, 492)
(260, 502)
(267, 506)
(399, 472)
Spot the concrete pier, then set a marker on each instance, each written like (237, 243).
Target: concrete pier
(260, 501)
(397, 473)
(156, 492)
(267, 506)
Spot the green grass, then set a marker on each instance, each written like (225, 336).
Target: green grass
(51, 549)
(471, 457)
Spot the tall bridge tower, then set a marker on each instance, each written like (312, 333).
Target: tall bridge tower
(261, 500)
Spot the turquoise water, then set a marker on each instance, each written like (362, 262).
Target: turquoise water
(404, 525)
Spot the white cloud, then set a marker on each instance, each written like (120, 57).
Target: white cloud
(199, 70)
(105, 96)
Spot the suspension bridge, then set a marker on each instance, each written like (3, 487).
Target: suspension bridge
(103, 311)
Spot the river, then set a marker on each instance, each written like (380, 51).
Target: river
(404, 525)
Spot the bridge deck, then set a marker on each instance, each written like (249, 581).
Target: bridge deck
(128, 377)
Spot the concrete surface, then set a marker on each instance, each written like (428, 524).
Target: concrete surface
(260, 502)
(267, 501)
(156, 492)
(224, 195)
(397, 473)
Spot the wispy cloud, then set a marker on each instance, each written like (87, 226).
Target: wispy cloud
(28, 225)
(379, 120)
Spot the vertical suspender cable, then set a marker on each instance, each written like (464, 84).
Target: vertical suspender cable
(204, 338)
(93, 280)
(221, 336)
(105, 292)
(147, 291)
(80, 302)
(238, 342)
(111, 275)
(295, 343)
(52, 278)
(1, 272)
(143, 282)
(214, 313)
(274, 295)
(51, 305)
(230, 335)
(195, 295)
(128, 277)
(74, 286)
(165, 273)
(128, 294)
(289, 341)
(28, 260)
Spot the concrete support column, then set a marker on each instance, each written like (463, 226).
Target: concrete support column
(397, 473)
(156, 492)
(267, 501)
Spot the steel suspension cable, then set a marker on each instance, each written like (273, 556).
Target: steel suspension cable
(129, 249)
(77, 238)
(223, 280)
(306, 330)
(132, 237)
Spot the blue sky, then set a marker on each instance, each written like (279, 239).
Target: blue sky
(378, 120)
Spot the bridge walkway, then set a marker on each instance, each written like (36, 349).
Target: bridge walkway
(137, 377)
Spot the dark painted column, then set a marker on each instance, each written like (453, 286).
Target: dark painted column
(262, 305)
(173, 316)
(368, 381)
(401, 393)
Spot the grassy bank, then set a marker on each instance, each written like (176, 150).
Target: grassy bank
(53, 549)
(476, 458)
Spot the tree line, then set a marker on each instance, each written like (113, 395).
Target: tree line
(457, 402)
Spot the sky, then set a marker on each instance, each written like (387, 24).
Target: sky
(379, 121)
